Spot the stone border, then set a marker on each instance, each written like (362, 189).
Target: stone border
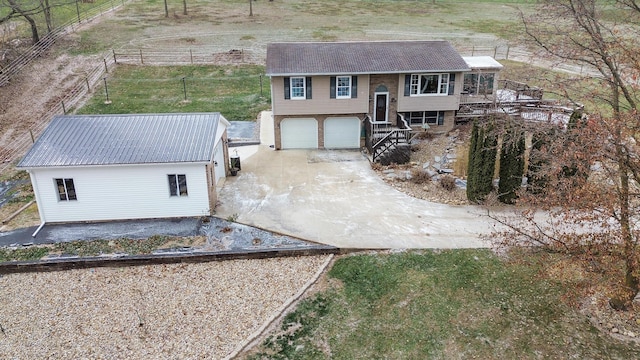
(12, 267)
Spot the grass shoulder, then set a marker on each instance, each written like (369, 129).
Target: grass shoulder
(439, 304)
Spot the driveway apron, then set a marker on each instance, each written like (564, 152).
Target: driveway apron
(335, 198)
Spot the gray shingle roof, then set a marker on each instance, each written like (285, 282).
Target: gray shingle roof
(371, 57)
(80, 140)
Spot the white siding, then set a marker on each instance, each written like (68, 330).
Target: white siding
(122, 192)
(219, 162)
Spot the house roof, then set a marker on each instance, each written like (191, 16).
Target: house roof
(368, 57)
(482, 62)
(81, 140)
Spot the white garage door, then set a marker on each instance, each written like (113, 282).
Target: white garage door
(342, 133)
(299, 133)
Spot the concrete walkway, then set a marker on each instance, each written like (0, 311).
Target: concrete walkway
(333, 197)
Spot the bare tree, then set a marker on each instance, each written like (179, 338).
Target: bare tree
(26, 10)
(30, 11)
(591, 170)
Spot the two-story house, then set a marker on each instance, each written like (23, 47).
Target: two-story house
(325, 94)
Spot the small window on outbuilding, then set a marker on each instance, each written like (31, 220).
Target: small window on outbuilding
(66, 189)
(177, 185)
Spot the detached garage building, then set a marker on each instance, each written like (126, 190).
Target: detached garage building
(114, 167)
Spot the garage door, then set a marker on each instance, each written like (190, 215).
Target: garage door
(342, 133)
(299, 133)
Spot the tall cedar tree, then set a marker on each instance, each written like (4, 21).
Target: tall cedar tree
(489, 155)
(482, 159)
(511, 166)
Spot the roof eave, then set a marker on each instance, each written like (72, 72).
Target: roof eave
(370, 72)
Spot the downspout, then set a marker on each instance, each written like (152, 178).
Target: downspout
(36, 193)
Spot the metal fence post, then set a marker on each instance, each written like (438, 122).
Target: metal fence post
(184, 87)
(141, 59)
(115, 61)
(106, 68)
(191, 55)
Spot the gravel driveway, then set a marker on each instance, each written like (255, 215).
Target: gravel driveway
(187, 311)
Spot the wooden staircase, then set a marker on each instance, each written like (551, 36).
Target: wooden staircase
(382, 139)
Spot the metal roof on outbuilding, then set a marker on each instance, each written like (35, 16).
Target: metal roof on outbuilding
(368, 57)
(482, 62)
(81, 140)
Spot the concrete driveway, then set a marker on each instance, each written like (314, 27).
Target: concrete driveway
(334, 198)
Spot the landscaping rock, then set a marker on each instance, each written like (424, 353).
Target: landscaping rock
(430, 173)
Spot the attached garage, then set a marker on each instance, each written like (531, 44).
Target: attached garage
(342, 133)
(299, 133)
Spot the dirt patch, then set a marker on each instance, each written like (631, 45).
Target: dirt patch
(26, 104)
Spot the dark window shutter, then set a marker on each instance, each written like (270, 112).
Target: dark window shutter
(354, 87)
(407, 85)
(440, 117)
(332, 88)
(287, 88)
(308, 85)
(452, 83)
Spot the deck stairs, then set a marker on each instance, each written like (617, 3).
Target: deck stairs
(385, 139)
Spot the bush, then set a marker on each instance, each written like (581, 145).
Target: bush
(419, 176)
(448, 182)
(424, 135)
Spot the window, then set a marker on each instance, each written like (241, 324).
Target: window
(343, 87)
(429, 84)
(66, 189)
(425, 117)
(177, 185)
(479, 84)
(298, 88)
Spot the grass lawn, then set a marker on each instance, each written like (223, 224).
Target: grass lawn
(455, 304)
(234, 91)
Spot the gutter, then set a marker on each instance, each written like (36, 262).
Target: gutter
(36, 193)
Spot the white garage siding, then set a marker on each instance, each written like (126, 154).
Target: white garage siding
(122, 192)
(342, 133)
(218, 158)
(299, 133)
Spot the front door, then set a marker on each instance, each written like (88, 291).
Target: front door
(381, 107)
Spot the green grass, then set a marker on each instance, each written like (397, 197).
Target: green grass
(234, 91)
(438, 305)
